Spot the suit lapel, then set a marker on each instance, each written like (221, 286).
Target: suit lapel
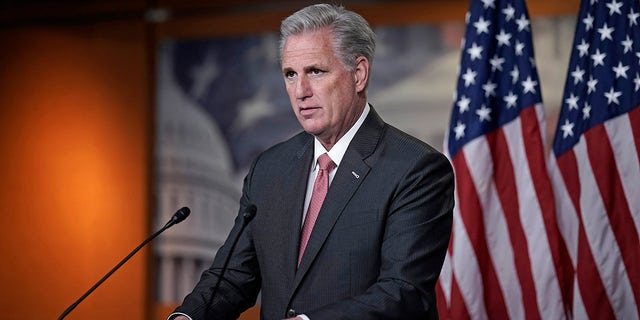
(352, 171)
(296, 180)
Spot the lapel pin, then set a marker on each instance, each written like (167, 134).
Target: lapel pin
(355, 174)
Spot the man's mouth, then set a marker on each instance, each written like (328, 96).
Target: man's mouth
(308, 111)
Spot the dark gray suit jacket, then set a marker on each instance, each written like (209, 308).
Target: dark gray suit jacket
(377, 247)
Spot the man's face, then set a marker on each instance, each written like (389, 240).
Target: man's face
(323, 93)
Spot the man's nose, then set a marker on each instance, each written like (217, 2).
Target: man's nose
(303, 88)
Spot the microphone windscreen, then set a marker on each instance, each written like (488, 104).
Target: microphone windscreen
(181, 214)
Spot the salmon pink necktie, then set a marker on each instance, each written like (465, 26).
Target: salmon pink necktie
(320, 188)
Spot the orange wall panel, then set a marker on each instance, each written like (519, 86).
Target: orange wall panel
(74, 170)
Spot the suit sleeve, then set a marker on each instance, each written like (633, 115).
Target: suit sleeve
(239, 285)
(416, 237)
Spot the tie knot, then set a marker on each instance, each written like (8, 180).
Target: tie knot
(326, 163)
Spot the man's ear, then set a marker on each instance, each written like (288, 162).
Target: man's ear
(361, 73)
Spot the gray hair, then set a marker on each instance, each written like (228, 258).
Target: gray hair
(352, 36)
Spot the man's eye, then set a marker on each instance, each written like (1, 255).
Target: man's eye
(316, 71)
(289, 74)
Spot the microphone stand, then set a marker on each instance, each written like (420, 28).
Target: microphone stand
(177, 218)
(248, 215)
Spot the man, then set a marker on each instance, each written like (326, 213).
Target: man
(374, 247)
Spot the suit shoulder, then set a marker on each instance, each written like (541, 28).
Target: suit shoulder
(284, 150)
(404, 150)
(407, 143)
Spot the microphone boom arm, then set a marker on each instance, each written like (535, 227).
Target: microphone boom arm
(180, 215)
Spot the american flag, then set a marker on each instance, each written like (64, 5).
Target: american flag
(506, 255)
(594, 164)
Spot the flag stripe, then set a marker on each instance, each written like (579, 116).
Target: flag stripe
(598, 231)
(465, 274)
(569, 226)
(459, 310)
(627, 162)
(577, 308)
(507, 192)
(569, 222)
(472, 218)
(634, 119)
(444, 281)
(605, 173)
(443, 286)
(442, 301)
(590, 284)
(560, 277)
(496, 230)
(592, 292)
(525, 140)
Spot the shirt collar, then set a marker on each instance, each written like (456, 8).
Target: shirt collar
(340, 148)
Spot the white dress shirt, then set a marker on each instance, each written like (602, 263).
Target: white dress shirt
(336, 154)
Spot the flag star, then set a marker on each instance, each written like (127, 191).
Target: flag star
(482, 25)
(484, 113)
(488, 3)
(489, 88)
(633, 17)
(509, 12)
(463, 104)
(614, 7)
(511, 100)
(523, 23)
(605, 32)
(577, 75)
(588, 22)
(469, 77)
(586, 111)
(636, 80)
(638, 55)
(627, 44)
(503, 38)
(583, 48)
(567, 129)
(621, 70)
(475, 52)
(529, 85)
(459, 130)
(591, 84)
(515, 74)
(612, 96)
(572, 102)
(519, 48)
(496, 63)
(598, 58)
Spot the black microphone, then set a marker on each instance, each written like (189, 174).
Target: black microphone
(178, 217)
(248, 215)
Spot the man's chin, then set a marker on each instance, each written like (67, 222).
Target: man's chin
(310, 126)
(312, 132)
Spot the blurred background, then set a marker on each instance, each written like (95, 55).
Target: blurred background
(105, 116)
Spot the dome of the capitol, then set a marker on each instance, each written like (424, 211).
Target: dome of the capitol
(193, 168)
